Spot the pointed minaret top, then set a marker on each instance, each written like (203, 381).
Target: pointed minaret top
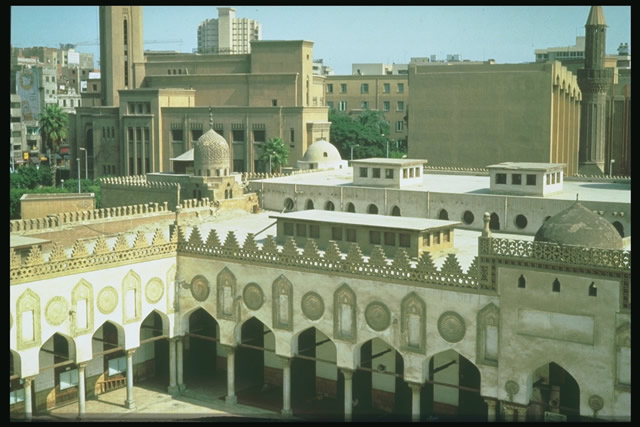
(210, 118)
(596, 16)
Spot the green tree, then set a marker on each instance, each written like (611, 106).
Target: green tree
(54, 126)
(277, 150)
(368, 134)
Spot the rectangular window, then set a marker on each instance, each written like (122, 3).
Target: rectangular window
(389, 238)
(501, 178)
(343, 88)
(376, 172)
(426, 239)
(386, 88)
(531, 179)
(400, 87)
(16, 396)
(400, 106)
(405, 173)
(138, 135)
(558, 177)
(418, 172)
(388, 173)
(314, 231)
(445, 236)
(351, 234)
(364, 105)
(364, 88)
(364, 172)
(329, 87)
(436, 238)
(238, 135)
(516, 179)
(336, 234)
(68, 379)
(374, 237)
(399, 126)
(139, 108)
(177, 135)
(288, 229)
(292, 135)
(342, 106)
(301, 230)
(117, 365)
(274, 102)
(259, 136)
(548, 179)
(404, 240)
(238, 165)
(196, 134)
(386, 106)
(147, 108)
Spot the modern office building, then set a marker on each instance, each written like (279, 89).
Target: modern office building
(227, 34)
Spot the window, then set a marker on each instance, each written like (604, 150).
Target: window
(418, 172)
(516, 179)
(274, 102)
(16, 396)
(118, 365)
(501, 178)
(388, 173)
(259, 136)
(522, 283)
(445, 236)
(386, 106)
(288, 229)
(376, 172)
(364, 105)
(556, 286)
(399, 126)
(342, 106)
(521, 221)
(403, 240)
(400, 87)
(558, 177)
(386, 88)
(364, 88)
(468, 217)
(351, 234)
(374, 237)
(436, 238)
(16, 134)
(95, 87)
(405, 173)
(176, 135)
(196, 134)
(372, 209)
(426, 239)
(400, 106)
(292, 135)
(329, 87)
(351, 208)
(314, 231)
(548, 179)
(237, 135)
(389, 238)
(343, 88)
(69, 379)
(593, 290)
(301, 230)
(531, 179)
(364, 172)
(336, 234)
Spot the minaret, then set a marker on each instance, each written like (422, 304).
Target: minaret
(594, 81)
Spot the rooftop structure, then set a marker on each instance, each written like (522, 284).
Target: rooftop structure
(322, 155)
(538, 179)
(381, 172)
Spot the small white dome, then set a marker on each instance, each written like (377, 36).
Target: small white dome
(322, 151)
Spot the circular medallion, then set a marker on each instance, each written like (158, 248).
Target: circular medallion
(107, 300)
(154, 290)
(596, 403)
(511, 387)
(56, 311)
(253, 296)
(451, 326)
(312, 306)
(378, 316)
(200, 288)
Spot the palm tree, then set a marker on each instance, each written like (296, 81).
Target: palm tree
(276, 150)
(53, 130)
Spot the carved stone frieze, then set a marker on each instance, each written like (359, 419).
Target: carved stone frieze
(107, 300)
(200, 288)
(154, 290)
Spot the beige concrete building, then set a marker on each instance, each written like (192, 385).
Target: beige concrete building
(43, 205)
(474, 115)
(228, 34)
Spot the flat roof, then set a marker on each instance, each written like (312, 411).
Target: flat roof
(17, 241)
(367, 220)
(527, 166)
(50, 196)
(390, 162)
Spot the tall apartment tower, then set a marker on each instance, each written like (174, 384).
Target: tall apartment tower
(594, 81)
(228, 34)
(121, 50)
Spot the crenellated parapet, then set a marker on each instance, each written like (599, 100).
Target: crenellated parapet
(65, 218)
(122, 182)
(456, 170)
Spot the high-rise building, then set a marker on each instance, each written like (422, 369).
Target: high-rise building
(228, 34)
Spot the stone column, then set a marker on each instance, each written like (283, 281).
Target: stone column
(348, 398)
(415, 401)
(521, 413)
(130, 403)
(491, 410)
(28, 408)
(173, 388)
(508, 413)
(181, 386)
(231, 398)
(286, 387)
(81, 390)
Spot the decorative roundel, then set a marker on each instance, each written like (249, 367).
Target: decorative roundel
(451, 326)
(154, 290)
(596, 402)
(200, 288)
(511, 387)
(378, 316)
(312, 305)
(253, 296)
(56, 311)
(107, 300)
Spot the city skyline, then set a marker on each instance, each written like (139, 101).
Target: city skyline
(515, 32)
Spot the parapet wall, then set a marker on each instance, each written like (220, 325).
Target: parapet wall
(123, 191)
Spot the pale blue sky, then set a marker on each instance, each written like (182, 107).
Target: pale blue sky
(345, 35)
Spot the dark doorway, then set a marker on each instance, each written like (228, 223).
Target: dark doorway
(249, 367)
(303, 371)
(444, 215)
(200, 354)
(471, 405)
(151, 327)
(494, 223)
(568, 392)
(619, 227)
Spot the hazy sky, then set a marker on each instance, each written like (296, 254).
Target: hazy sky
(345, 35)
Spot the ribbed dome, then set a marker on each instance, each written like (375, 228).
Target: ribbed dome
(210, 152)
(321, 151)
(579, 226)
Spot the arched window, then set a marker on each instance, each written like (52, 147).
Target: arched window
(593, 290)
(443, 214)
(372, 209)
(329, 206)
(351, 207)
(494, 223)
(395, 211)
(309, 204)
(288, 204)
(619, 227)
(522, 282)
(556, 285)
(468, 217)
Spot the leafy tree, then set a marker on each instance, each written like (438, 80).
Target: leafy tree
(368, 133)
(54, 126)
(277, 150)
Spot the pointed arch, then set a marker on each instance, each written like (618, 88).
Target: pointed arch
(226, 285)
(351, 207)
(488, 335)
(395, 211)
(131, 298)
(166, 324)
(186, 317)
(413, 312)
(555, 388)
(443, 214)
(70, 342)
(28, 320)
(282, 303)
(120, 338)
(344, 314)
(309, 204)
(15, 363)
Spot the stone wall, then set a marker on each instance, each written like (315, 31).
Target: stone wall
(123, 191)
(47, 204)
